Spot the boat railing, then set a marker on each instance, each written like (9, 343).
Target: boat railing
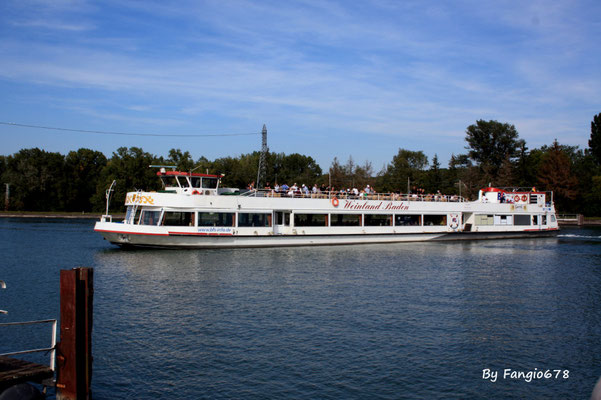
(350, 196)
(51, 349)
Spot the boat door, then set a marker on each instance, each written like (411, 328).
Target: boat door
(536, 221)
(282, 222)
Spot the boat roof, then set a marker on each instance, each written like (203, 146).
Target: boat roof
(183, 173)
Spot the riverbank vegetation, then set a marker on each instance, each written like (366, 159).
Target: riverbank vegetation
(76, 182)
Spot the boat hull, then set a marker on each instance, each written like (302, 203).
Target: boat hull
(126, 238)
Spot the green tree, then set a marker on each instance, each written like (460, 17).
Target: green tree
(337, 173)
(588, 171)
(36, 179)
(296, 168)
(129, 168)
(363, 175)
(434, 176)
(490, 143)
(406, 166)
(555, 174)
(595, 141)
(181, 160)
(466, 177)
(506, 175)
(82, 171)
(233, 174)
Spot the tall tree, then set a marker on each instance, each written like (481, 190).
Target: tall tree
(434, 176)
(490, 143)
(337, 174)
(129, 167)
(407, 167)
(82, 170)
(36, 179)
(595, 141)
(467, 178)
(506, 176)
(555, 174)
(181, 160)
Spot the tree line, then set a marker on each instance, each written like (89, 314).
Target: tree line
(495, 155)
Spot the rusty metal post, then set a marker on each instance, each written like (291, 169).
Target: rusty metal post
(74, 359)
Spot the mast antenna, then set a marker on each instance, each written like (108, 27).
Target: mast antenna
(262, 172)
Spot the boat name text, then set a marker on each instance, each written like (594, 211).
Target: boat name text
(138, 199)
(370, 205)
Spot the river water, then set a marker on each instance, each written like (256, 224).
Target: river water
(414, 321)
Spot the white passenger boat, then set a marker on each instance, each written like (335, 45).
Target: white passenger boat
(193, 211)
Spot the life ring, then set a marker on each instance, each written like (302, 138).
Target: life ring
(335, 202)
(524, 198)
(196, 192)
(516, 198)
(454, 221)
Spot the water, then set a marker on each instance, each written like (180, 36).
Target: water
(413, 321)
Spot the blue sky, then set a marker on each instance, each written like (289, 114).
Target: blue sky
(328, 78)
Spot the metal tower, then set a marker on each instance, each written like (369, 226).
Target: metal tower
(262, 173)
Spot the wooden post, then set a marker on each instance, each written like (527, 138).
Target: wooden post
(74, 360)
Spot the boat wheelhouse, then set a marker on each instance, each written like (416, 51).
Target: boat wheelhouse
(193, 211)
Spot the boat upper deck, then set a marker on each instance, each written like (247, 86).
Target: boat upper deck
(350, 196)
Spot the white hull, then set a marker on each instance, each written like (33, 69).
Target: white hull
(118, 234)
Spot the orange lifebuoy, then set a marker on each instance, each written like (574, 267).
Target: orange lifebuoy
(335, 202)
(516, 198)
(196, 192)
(524, 198)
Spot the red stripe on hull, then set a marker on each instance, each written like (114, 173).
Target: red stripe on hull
(132, 233)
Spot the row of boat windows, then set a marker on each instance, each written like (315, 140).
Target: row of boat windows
(517, 219)
(241, 219)
(226, 219)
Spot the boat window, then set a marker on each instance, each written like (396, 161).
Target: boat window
(503, 220)
(209, 183)
(482, 219)
(521, 219)
(345, 220)
(195, 180)
(407, 220)
(128, 213)
(310, 219)
(150, 217)
(544, 219)
(282, 218)
(254, 219)
(169, 181)
(177, 218)
(183, 182)
(535, 220)
(437, 219)
(378, 220)
(215, 219)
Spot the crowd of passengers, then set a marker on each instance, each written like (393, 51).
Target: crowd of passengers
(367, 193)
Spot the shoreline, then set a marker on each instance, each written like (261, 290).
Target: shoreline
(46, 214)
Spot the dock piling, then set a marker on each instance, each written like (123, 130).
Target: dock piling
(74, 359)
